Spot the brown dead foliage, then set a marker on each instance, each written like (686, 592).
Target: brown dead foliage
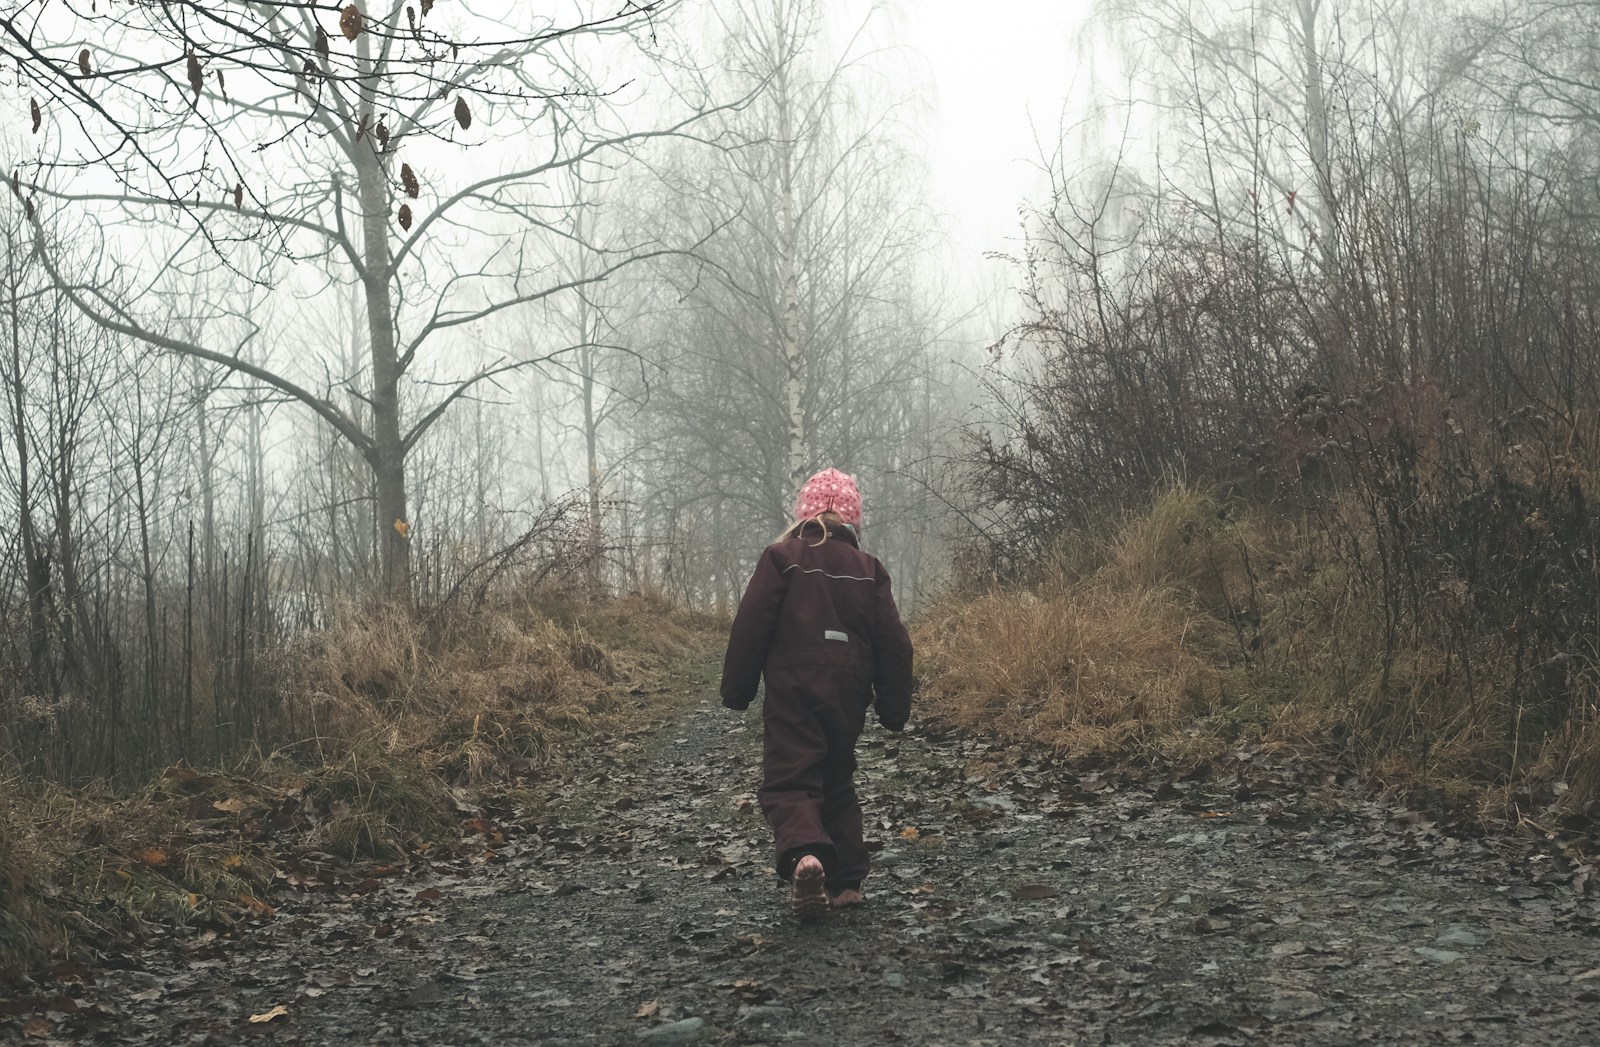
(1201, 624)
(1111, 645)
(389, 731)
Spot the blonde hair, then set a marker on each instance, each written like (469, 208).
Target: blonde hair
(827, 519)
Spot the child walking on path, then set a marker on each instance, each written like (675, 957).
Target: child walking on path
(819, 620)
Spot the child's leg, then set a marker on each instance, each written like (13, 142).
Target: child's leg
(841, 820)
(794, 748)
(841, 809)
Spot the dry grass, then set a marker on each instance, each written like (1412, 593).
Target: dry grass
(1085, 670)
(1196, 625)
(388, 724)
(1116, 647)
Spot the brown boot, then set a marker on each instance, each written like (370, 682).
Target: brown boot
(809, 896)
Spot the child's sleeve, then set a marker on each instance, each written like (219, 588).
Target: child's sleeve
(891, 669)
(751, 635)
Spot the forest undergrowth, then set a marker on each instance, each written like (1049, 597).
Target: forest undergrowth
(1347, 637)
(393, 736)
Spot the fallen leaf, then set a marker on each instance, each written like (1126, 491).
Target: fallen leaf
(910, 834)
(648, 1010)
(428, 992)
(267, 1016)
(37, 1028)
(231, 806)
(256, 905)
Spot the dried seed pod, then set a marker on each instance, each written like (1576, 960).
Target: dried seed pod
(238, 194)
(322, 42)
(38, 116)
(383, 134)
(405, 217)
(408, 178)
(196, 78)
(427, 5)
(83, 61)
(463, 114)
(350, 22)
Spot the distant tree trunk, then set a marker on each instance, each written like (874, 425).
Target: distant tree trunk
(206, 468)
(36, 558)
(147, 570)
(255, 471)
(789, 275)
(353, 480)
(591, 446)
(1318, 128)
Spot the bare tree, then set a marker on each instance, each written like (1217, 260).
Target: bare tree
(273, 137)
(806, 325)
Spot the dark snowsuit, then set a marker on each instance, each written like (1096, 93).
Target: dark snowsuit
(819, 620)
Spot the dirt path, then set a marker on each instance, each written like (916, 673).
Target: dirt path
(1031, 905)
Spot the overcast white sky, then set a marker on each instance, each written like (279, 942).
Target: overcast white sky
(1000, 69)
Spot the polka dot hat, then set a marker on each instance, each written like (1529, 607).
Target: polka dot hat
(829, 490)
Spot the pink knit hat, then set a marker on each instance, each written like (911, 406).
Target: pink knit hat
(829, 490)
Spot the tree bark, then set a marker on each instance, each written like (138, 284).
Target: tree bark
(789, 275)
(1318, 129)
(387, 454)
(36, 558)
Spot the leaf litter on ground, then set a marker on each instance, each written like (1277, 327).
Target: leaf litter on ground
(1017, 898)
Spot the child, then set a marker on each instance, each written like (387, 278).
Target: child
(819, 620)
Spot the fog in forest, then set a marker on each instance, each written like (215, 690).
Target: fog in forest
(309, 309)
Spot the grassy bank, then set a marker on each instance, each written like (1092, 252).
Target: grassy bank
(1203, 623)
(396, 737)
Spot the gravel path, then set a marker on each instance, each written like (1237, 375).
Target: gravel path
(1012, 902)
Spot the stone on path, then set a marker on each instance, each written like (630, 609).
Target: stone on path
(1459, 936)
(685, 1031)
